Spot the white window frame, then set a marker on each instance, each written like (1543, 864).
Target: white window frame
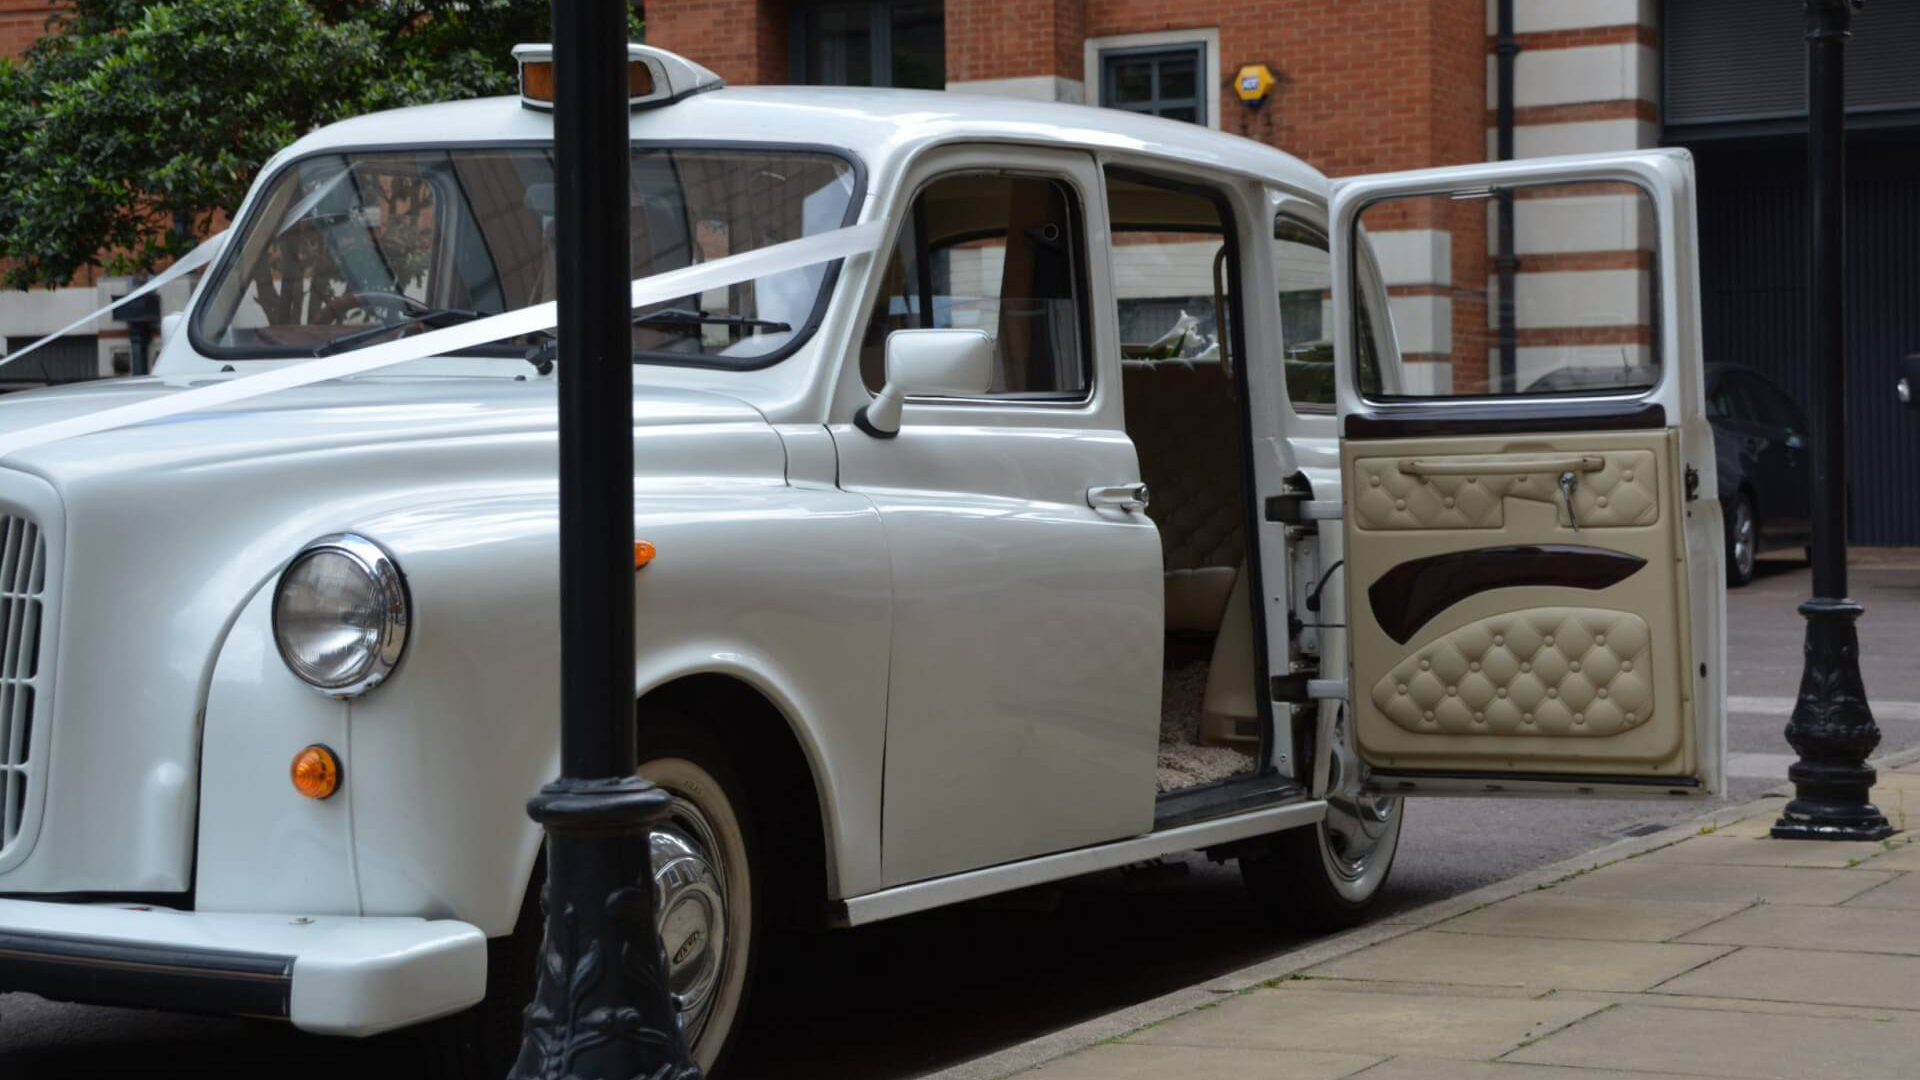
(1208, 38)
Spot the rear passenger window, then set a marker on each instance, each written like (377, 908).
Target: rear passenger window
(1536, 289)
(998, 253)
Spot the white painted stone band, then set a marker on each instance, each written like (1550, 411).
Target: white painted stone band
(191, 261)
(653, 289)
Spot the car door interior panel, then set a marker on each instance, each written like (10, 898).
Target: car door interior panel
(1565, 661)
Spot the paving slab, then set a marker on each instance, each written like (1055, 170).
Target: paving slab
(1791, 926)
(1869, 980)
(1553, 914)
(1900, 857)
(1139, 1061)
(1308, 1018)
(1418, 1068)
(1638, 879)
(1902, 892)
(1717, 850)
(1750, 1046)
(1717, 1004)
(1543, 963)
(1757, 825)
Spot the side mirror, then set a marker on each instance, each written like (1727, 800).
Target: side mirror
(929, 363)
(1909, 385)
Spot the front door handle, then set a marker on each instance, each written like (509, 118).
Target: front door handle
(1129, 497)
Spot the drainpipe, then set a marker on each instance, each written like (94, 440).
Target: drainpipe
(1504, 50)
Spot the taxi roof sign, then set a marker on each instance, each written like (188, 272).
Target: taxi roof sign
(654, 76)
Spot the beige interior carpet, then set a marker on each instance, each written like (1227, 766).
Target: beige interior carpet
(1185, 763)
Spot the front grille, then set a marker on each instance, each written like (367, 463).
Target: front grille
(23, 582)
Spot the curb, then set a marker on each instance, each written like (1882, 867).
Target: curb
(1036, 1052)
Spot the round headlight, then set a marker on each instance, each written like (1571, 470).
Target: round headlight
(340, 614)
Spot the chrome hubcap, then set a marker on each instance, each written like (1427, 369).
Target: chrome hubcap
(1355, 828)
(690, 902)
(1743, 536)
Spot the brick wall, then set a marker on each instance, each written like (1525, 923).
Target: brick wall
(21, 24)
(1008, 39)
(745, 41)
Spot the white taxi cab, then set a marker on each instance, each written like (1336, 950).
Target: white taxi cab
(1062, 497)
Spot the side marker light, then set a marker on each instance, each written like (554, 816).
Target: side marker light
(316, 772)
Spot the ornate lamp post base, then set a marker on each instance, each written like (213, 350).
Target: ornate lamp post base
(603, 1011)
(1833, 731)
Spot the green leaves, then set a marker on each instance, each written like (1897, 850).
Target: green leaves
(133, 115)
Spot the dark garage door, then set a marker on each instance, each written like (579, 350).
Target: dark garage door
(1753, 269)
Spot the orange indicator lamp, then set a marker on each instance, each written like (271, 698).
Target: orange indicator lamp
(316, 772)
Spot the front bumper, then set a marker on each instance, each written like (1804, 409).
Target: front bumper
(330, 975)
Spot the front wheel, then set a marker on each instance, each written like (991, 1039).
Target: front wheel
(1330, 873)
(706, 892)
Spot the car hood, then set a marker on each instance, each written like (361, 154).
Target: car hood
(348, 412)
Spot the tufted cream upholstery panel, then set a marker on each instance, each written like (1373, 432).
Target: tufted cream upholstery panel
(1624, 492)
(1184, 423)
(1556, 671)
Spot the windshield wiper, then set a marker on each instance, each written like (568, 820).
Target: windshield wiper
(689, 317)
(438, 318)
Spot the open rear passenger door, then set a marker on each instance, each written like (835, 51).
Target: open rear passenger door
(1533, 544)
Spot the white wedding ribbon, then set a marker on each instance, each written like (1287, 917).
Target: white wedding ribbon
(652, 289)
(187, 264)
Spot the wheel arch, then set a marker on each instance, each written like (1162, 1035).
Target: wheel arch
(766, 742)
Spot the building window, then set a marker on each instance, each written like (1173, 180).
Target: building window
(1156, 80)
(899, 43)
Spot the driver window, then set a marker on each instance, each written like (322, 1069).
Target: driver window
(999, 253)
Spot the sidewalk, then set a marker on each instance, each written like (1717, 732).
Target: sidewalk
(1714, 952)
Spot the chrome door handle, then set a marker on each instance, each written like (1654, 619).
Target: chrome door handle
(1570, 480)
(1129, 497)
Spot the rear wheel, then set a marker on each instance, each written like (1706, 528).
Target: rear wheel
(1331, 873)
(1743, 540)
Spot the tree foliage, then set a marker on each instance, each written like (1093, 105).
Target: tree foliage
(130, 115)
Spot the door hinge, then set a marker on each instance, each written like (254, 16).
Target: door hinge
(1305, 686)
(1296, 507)
(1693, 484)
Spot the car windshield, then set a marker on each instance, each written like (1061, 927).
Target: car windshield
(351, 250)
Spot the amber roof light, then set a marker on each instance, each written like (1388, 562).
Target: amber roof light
(654, 76)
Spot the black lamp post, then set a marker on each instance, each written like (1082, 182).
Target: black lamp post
(1832, 728)
(602, 1010)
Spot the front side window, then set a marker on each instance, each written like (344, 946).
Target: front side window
(350, 250)
(1157, 80)
(998, 253)
(1542, 289)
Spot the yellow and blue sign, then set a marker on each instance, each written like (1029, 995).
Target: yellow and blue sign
(1253, 82)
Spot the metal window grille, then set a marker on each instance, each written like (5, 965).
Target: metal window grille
(1157, 80)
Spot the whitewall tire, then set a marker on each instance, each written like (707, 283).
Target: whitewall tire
(705, 889)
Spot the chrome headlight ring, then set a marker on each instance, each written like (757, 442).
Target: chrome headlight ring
(341, 615)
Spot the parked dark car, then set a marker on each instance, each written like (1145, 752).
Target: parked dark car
(1766, 478)
(1760, 441)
